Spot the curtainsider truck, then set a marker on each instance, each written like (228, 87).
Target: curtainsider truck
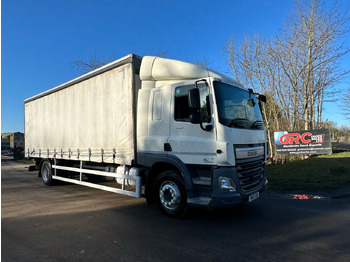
(174, 132)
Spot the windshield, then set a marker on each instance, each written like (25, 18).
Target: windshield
(237, 107)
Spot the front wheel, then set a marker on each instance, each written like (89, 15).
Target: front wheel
(170, 194)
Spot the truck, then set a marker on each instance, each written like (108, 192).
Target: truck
(176, 133)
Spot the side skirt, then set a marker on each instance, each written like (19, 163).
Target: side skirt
(138, 180)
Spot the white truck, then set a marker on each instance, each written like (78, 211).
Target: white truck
(174, 132)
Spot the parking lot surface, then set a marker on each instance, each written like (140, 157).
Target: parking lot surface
(74, 223)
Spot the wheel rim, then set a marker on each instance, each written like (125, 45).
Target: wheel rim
(45, 174)
(169, 195)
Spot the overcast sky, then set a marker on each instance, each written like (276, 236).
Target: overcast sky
(41, 39)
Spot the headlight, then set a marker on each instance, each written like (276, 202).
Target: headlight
(226, 184)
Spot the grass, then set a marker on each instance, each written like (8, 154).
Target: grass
(313, 174)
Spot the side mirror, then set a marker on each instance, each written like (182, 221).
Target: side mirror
(194, 99)
(195, 118)
(262, 98)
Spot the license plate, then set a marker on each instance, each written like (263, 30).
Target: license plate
(254, 196)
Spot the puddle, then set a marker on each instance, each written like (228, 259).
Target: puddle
(305, 196)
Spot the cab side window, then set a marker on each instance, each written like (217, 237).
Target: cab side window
(182, 111)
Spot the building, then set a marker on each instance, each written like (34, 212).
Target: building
(12, 140)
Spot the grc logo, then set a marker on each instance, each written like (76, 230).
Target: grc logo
(295, 138)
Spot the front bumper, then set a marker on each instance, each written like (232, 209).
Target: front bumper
(222, 199)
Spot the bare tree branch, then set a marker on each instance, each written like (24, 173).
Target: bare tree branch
(298, 69)
(92, 63)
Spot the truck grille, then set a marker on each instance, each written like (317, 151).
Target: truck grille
(251, 175)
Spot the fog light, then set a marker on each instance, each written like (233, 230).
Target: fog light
(227, 184)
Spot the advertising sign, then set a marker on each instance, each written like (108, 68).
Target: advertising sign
(305, 142)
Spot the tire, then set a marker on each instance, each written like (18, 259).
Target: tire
(46, 173)
(170, 194)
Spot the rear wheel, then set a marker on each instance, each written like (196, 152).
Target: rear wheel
(46, 173)
(170, 194)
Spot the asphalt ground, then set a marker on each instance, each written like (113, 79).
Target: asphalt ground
(74, 223)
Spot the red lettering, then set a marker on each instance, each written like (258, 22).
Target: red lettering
(303, 138)
(290, 138)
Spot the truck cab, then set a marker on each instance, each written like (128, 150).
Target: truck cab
(208, 132)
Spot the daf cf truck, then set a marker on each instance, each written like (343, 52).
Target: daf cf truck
(174, 132)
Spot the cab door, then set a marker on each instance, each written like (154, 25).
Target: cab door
(191, 142)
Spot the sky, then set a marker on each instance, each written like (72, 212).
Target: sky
(41, 39)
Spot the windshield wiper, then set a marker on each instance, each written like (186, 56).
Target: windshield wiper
(237, 122)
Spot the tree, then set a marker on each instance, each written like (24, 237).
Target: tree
(346, 103)
(202, 63)
(92, 63)
(314, 35)
(298, 69)
(161, 53)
